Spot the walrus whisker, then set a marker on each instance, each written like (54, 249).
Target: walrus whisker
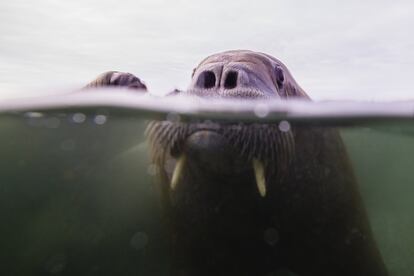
(272, 145)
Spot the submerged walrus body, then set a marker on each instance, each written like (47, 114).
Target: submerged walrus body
(259, 199)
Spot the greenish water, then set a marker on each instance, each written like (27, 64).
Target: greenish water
(77, 198)
(382, 158)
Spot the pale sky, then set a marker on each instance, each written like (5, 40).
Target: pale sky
(360, 50)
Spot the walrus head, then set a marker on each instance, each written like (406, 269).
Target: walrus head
(244, 74)
(117, 79)
(228, 149)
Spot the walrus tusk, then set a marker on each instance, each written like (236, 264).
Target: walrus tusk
(259, 173)
(178, 171)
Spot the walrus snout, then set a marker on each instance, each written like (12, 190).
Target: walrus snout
(210, 151)
(222, 150)
(234, 80)
(207, 79)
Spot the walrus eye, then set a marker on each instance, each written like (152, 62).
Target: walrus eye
(280, 77)
(231, 80)
(207, 79)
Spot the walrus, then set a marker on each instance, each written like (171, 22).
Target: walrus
(117, 79)
(258, 199)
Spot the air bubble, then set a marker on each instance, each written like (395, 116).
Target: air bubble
(173, 117)
(284, 126)
(139, 241)
(100, 119)
(152, 169)
(79, 118)
(56, 264)
(33, 114)
(170, 164)
(261, 110)
(271, 236)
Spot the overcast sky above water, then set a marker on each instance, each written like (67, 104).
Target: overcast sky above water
(360, 50)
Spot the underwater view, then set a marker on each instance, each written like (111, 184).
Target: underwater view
(134, 185)
(195, 138)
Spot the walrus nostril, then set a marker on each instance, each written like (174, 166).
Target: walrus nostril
(231, 80)
(207, 79)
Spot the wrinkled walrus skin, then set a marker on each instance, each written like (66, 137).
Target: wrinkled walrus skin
(259, 199)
